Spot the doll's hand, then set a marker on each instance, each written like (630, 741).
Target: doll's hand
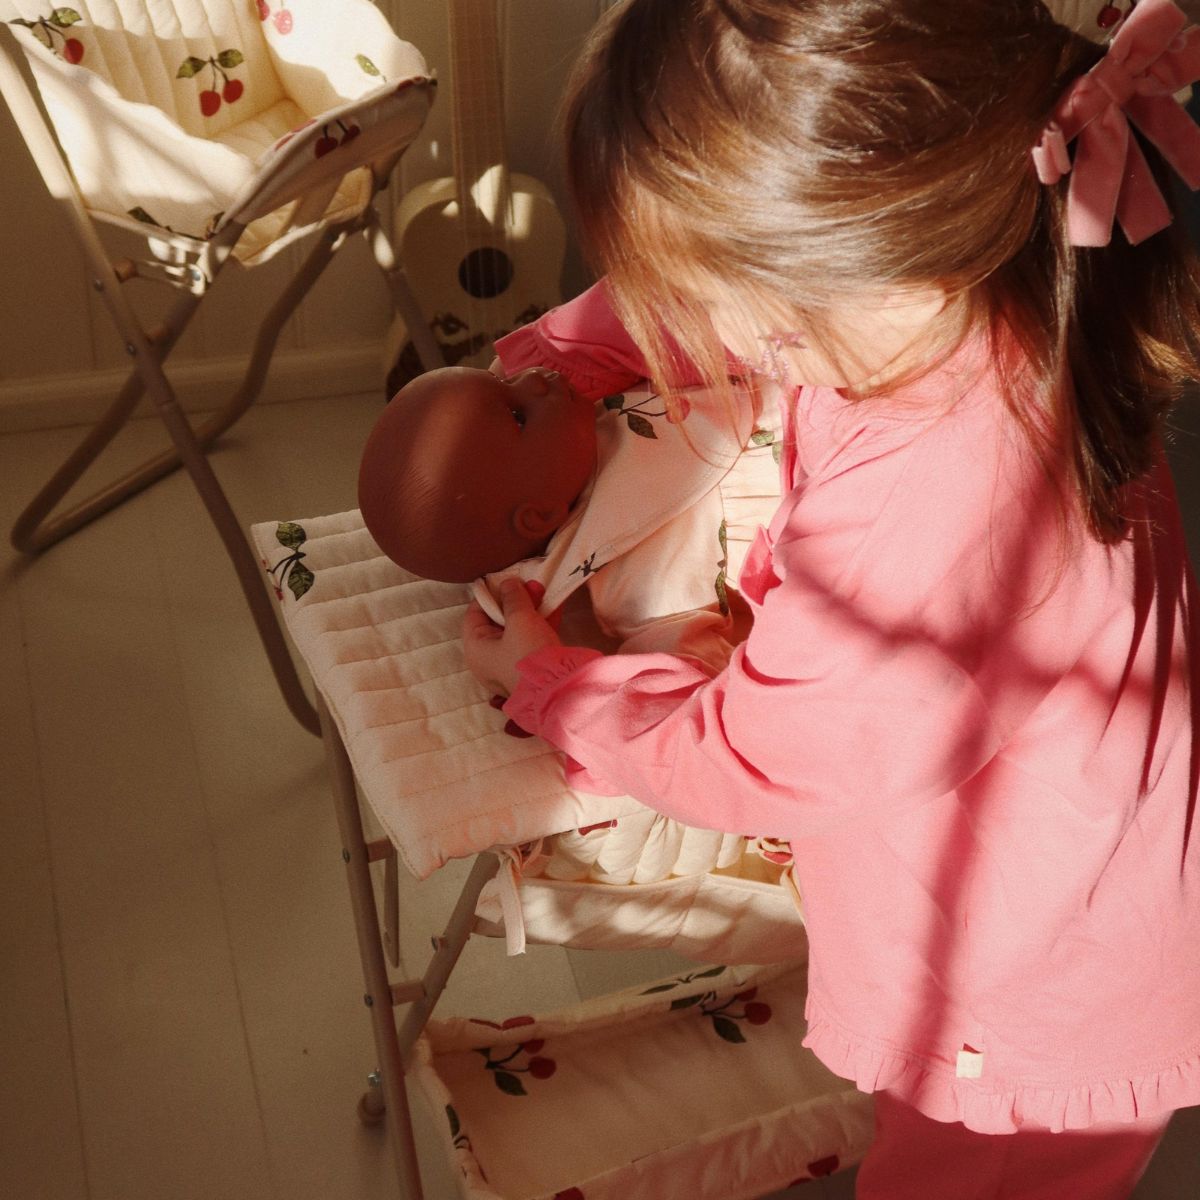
(493, 652)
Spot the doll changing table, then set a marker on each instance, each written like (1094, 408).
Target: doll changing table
(693, 1086)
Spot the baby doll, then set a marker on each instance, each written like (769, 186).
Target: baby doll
(465, 474)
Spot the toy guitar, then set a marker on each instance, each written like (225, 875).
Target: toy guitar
(483, 250)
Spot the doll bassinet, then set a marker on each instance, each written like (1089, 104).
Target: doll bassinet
(211, 129)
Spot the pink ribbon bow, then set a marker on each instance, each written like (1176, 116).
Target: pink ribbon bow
(1151, 57)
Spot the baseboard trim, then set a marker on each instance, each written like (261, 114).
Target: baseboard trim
(79, 398)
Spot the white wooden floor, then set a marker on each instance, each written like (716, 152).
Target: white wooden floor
(180, 998)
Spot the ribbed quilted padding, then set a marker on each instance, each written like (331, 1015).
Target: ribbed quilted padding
(139, 47)
(256, 135)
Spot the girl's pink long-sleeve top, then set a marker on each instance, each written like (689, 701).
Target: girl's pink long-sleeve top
(974, 723)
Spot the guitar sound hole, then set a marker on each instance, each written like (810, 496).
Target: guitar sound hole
(485, 272)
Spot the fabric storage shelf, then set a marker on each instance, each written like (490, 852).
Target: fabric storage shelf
(694, 1086)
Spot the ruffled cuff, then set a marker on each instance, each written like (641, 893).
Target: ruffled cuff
(527, 347)
(539, 672)
(583, 340)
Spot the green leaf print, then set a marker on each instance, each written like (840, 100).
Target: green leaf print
(63, 17)
(452, 1117)
(509, 1083)
(721, 586)
(640, 426)
(762, 437)
(291, 535)
(728, 1030)
(367, 65)
(614, 403)
(189, 67)
(300, 580)
(230, 58)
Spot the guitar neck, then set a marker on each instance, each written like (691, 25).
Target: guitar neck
(480, 159)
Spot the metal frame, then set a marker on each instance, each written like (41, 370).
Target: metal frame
(37, 528)
(387, 1101)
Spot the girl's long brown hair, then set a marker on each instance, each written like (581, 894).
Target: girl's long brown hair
(804, 150)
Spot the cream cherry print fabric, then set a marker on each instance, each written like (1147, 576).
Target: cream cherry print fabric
(189, 114)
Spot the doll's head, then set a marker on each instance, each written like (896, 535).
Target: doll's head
(465, 473)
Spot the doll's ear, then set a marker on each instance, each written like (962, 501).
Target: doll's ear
(536, 522)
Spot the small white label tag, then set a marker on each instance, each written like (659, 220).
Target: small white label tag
(970, 1064)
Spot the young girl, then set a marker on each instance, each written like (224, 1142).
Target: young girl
(969, 693)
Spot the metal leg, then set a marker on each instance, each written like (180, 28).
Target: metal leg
(378, 996)
(428, 351)
(447, 950)
(34, 532)
(243, 558)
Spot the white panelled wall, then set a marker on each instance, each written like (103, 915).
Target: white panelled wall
(59, 356)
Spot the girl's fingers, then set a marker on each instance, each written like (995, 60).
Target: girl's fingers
(477, 624)
(515, 598)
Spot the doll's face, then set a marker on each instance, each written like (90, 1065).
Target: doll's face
(465, 473)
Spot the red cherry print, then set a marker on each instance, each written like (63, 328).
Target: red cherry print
(748, 994)
(283, 21)
(264, 10)
(514, 730)
(72, 50)
(209, 102)
(1108, 16)
(569, 1194)
(542, 1068)
(677, 411)
(324, 145)
(823, 1166)
(233, 90)
(513, 1022)
(534, 1046)
(758, 1013)
(351, 133)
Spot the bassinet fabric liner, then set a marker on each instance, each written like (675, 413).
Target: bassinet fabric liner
(693, 1086)
(431, 754)
(189, 114)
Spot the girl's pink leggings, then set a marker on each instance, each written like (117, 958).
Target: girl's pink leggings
(916, 1158)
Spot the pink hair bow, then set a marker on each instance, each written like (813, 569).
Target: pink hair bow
(1149, 59)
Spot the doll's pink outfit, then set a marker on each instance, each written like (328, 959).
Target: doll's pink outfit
(974, 723)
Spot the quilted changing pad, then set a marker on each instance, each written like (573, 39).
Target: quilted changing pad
(431, 754)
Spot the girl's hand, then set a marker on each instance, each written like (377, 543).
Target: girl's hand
(493, 652)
